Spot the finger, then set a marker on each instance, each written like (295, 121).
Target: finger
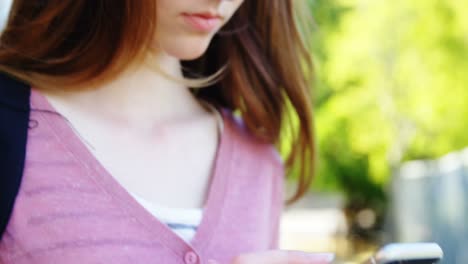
(284, 257)
(298, 257)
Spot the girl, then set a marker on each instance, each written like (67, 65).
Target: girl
(128, 159)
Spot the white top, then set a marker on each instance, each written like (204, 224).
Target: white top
(183, 221)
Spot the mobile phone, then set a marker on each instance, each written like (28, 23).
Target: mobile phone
(408, 253)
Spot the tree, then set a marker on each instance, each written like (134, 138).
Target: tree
(391, 86)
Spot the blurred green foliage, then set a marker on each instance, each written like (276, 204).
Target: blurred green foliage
(391, 85)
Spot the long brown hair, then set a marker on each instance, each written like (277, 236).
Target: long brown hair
(80, 43)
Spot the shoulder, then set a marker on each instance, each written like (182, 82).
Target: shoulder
(263, 154)
(265, 176)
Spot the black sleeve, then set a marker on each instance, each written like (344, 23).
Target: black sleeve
(14, 120)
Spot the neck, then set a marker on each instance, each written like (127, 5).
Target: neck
(138, 95)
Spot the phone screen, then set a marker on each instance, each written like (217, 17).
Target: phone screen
(415, 261)
(408, 253)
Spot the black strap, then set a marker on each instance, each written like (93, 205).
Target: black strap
(14, 120)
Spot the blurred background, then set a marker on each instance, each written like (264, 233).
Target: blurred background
(391, 109)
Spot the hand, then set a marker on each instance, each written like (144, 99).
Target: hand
(284, 257)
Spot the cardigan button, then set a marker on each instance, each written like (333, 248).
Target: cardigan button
(191, 258)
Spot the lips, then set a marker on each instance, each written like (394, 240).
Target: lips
(206, 15)
(202, 22)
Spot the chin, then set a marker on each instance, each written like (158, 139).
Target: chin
(189, 53)
(188, 49)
